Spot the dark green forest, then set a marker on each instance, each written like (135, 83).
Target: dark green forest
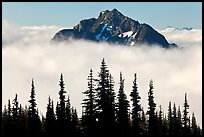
(106, 112)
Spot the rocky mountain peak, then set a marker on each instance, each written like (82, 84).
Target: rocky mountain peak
(113, 13)
(113, 27)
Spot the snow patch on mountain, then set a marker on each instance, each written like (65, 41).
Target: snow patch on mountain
(128, 33)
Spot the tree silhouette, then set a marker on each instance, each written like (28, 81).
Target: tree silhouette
(50, 120)
(105, 101)
(122, 109)
(68, 118)
(89, 104)
(160, 122)
(175, 122)
(34, 123)
(151, 111)
(16, 116)
(169, 119)
(136, 110)
(179, 121)
(111, 99)
(61, 108)
(185, 118)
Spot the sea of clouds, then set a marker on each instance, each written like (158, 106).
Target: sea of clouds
(28, 53)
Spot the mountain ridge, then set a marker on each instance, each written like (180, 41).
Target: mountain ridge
(114, 27)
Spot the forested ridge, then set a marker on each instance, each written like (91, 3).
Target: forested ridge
(106, 112)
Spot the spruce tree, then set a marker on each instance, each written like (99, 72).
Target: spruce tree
(9, 115)
(34, 123)
(111, 99)
(68, 117)
(179, 120)
(175, 121)
(136, 108)
(61, 108)
(50, 120)
(122, 109)
(151, 111)
(89, 105)
(185, 119)
(105, 101)
(15, 115)
(160, 121)
(169, 119)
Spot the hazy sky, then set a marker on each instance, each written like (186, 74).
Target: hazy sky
(67, 14)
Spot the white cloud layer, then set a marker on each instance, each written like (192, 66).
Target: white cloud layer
(28, 53)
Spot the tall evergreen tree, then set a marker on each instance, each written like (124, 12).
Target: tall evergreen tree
(136, 108)
(160, 122)
(111, 99)
(151, 111)
(178, 121)
(68, 117)
(34, 123)
(185, 118)
(175, 122)
(122, 109)
(50, 120)
(89, 105)
(105, 100)
(15, 115)
(61, 108)
(9, 114)
(169, 119)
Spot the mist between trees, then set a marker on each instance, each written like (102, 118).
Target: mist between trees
(105, 112)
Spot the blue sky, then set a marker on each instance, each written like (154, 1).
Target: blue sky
(67, 14)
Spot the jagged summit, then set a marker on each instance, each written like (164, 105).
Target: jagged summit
(113, 12)
(113, 27)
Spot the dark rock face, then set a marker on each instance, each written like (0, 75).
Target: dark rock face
(148, 35)
(113, 27)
